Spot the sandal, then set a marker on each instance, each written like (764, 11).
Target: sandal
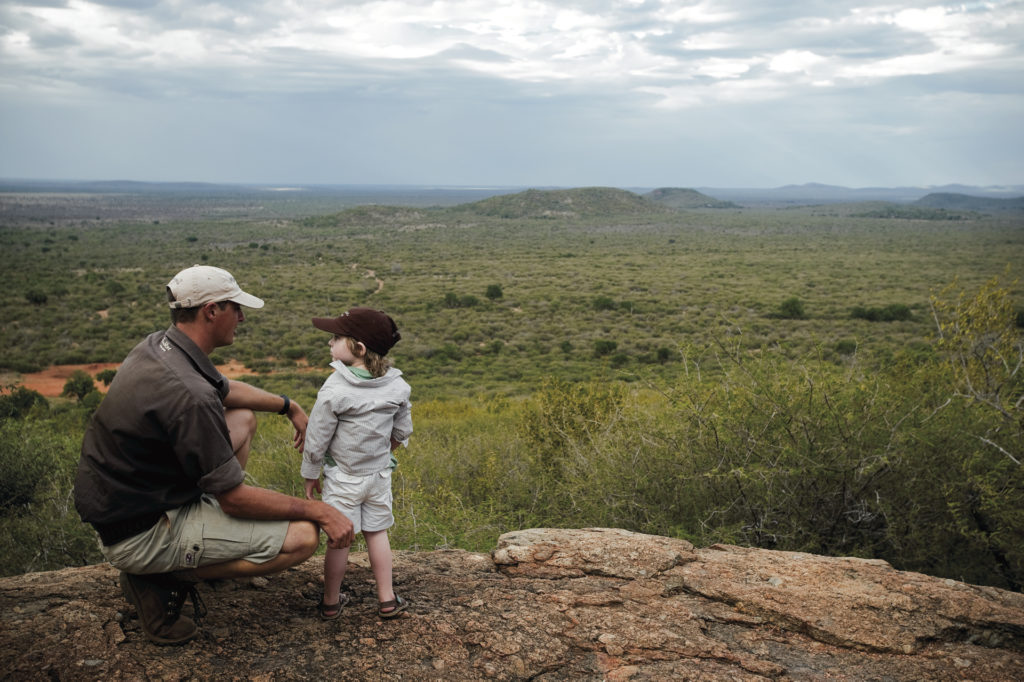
(395, 607)
(332, 611)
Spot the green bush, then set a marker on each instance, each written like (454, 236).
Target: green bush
(560, 415)
(39, 528)
(21, 469)
(792, 309)
(604, 347)
(448, 351)
(889, 313)
(79, 385)
(453, 300)
(846, 347)
(19, 402)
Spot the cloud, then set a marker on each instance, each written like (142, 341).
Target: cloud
(617, 69)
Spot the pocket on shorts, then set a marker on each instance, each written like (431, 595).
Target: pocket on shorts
(190, 540)
(382, 480)
(339, 476)
(192, 553)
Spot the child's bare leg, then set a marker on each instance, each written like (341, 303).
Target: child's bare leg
(379, 549)
(335, 564)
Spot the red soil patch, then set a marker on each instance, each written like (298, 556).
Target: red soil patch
(50, 382)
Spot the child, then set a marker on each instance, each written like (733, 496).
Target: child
(361, 414)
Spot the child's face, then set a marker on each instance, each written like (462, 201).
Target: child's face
(341, 352)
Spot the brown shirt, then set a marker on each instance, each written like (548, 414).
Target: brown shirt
(158, 440)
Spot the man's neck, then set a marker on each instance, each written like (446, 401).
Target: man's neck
(197, 332)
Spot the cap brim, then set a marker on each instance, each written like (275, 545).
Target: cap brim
(248, 300)
(328, 324)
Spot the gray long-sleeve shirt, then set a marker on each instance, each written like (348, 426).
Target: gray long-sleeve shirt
(354, 421)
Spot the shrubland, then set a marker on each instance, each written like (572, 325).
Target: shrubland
(792, 379)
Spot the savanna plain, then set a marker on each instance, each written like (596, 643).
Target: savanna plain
(821, 378)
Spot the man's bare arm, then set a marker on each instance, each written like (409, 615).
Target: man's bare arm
(249, 502)
(243, 395)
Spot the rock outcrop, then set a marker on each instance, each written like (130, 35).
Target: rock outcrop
(546, 604)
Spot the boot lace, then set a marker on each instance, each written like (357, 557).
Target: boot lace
(176, 600)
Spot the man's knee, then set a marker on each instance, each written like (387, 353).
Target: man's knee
(242, 426)
(302, 540)
(242, 420)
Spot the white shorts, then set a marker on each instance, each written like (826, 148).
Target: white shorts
(365, 500)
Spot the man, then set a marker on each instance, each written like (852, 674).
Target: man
(161, 472)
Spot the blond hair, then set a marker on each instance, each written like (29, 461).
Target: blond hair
(376, 364)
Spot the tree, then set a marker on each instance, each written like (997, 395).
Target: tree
(78, 385)
(494, 292)
(981, 340)
(985, 350)
(106, 376)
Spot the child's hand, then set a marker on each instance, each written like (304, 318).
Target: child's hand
(311, 485)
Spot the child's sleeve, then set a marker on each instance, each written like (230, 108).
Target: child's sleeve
(402, 428)
(319, 433)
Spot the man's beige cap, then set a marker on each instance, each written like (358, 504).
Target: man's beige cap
(201, 284)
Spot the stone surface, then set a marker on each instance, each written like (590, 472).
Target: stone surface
(547, 604)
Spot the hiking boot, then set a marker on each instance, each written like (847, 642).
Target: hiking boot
(158, 598)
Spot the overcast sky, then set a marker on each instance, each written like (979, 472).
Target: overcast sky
(627, 93)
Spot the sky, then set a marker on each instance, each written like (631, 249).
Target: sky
(493, 93)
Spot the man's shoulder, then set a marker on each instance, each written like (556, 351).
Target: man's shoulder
(159, 362)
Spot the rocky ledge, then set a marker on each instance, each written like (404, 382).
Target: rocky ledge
(546, 604)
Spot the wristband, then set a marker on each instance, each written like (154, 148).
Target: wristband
(287, 405)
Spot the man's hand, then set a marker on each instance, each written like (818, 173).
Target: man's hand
(248, 502)
(338, 528)
(243, 395)
(299, 421)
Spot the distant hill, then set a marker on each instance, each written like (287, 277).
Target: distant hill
(950, 201)
(585, 202)
(816, 193)
(117, 187)
(676, 197)
(889, 210)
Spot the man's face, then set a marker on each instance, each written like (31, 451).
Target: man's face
(225, 321)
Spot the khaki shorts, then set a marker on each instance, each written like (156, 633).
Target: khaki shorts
(197, 535)
(365, 500)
